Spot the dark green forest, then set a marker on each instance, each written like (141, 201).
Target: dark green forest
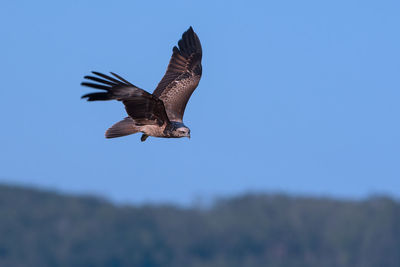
(39, 228)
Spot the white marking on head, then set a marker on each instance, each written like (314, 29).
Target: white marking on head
(183, 131)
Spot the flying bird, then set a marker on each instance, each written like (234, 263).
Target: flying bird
(159, 114)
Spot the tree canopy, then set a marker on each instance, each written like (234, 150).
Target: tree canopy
(40, 228)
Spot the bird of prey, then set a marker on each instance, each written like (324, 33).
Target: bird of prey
(158, 114)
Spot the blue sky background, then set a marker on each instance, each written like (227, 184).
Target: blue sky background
(296, 96)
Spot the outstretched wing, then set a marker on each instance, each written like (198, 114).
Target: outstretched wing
(143, 107)
(182, 75)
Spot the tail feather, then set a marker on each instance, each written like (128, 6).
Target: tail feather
(122, 128)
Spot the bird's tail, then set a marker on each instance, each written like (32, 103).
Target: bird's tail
(125, 127)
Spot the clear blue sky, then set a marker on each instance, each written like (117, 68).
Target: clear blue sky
(296, 96)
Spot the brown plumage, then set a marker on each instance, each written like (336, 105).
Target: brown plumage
(159, 114)
(182, 75)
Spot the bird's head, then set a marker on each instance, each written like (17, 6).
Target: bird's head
(182, 131)
(177, 129)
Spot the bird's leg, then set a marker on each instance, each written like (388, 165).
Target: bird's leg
(144, 137)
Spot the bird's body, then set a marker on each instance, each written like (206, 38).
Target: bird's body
(159, 114)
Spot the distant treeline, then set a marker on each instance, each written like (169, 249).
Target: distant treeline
(47, 229)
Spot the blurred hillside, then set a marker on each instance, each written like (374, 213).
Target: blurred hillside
(48, 229)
